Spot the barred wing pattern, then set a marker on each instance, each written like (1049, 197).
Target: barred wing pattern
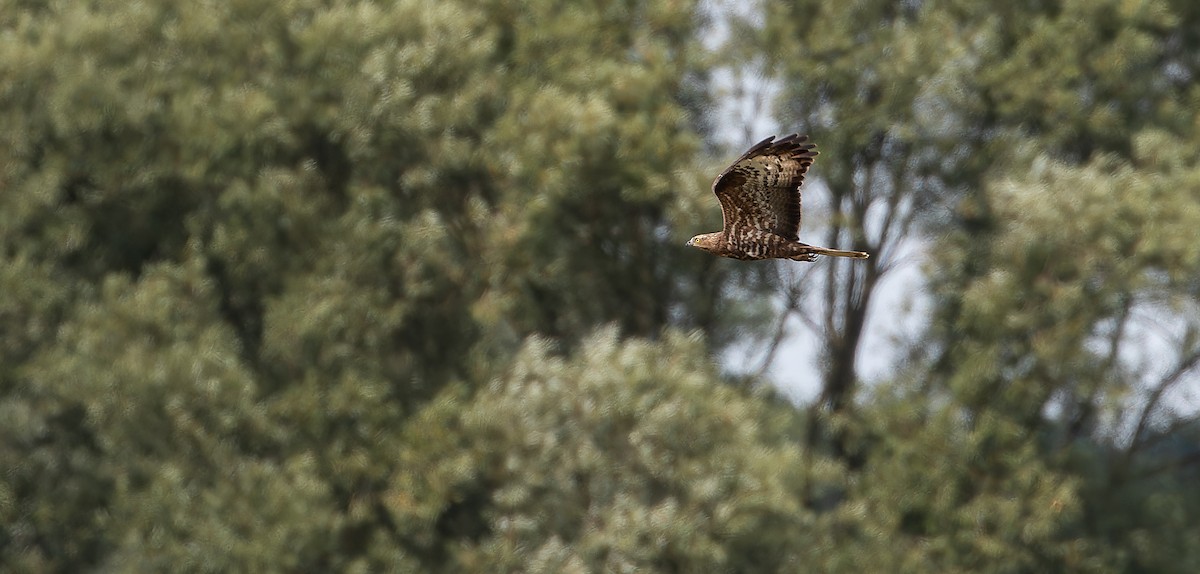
(760, 205)
(760, 192)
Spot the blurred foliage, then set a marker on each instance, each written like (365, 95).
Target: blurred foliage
(625, 458)
(1042, 154)
(360, 286)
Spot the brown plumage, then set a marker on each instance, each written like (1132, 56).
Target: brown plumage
(760, 204)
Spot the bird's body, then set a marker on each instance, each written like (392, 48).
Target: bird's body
(760, 205)
(753, 245)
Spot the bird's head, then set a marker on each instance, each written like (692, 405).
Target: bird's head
(705, 241)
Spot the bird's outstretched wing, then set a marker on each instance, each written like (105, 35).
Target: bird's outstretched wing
(761, 190)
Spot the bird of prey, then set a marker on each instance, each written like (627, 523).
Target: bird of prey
(760, 204)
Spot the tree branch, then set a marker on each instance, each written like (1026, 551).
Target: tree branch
(1086, 407)
(791, 306)
(1167, 383)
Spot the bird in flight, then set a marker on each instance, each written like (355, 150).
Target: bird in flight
(760, 205)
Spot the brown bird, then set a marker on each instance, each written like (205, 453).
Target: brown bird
(760, 205)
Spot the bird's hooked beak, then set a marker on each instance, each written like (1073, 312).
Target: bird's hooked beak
(689, 243)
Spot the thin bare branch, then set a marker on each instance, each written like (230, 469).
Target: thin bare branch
(1086, 407)
(1168, 382)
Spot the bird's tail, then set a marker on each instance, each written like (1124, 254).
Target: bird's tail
(836, 252)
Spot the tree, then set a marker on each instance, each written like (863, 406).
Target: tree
(1062, 322)
(626, 456)
(316, 285)
(1012, 458)
(1038, 149)
(914, 104)
(245, 243)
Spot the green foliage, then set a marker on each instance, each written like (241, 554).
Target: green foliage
(947, 492)
(1049, 148)
(244, 243)
(1086, 253)
(1082, 247)
(398, 286)
(625, 457)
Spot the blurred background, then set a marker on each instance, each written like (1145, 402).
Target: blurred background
(306, 285)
